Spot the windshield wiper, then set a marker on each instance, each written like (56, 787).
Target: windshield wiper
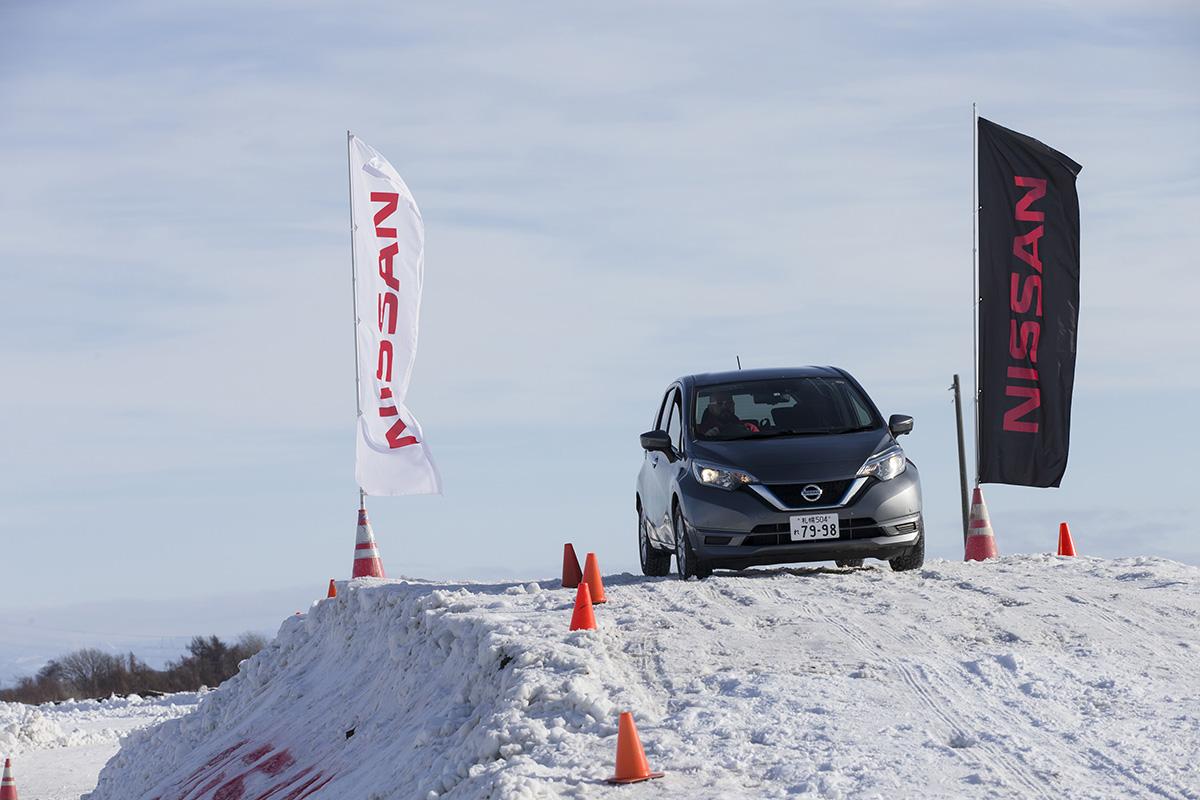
(794, 432)
(787, 432)
(768, 435)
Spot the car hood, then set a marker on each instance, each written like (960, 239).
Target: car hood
(796, 459)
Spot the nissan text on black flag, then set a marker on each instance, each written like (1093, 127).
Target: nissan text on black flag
(1028, 307)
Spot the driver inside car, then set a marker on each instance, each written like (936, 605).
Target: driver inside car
(720, 418)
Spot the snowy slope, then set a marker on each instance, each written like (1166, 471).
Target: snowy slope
(1032, 676)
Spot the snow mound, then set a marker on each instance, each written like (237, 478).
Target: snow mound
(1031, 676)
(76, 723)
(25, 727)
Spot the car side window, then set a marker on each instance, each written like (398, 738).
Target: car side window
(675, 425)
(664, 406)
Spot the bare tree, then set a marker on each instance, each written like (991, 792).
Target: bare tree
(92, 672)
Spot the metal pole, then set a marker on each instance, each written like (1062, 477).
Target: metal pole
(975, 272)
(354, 290)
(962, 454)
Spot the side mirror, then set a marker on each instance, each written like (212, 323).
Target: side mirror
(900, 424)
(656, 441)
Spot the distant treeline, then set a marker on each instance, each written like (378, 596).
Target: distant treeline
(93, 673)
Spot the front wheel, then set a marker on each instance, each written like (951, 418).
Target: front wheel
(915, 557)
(686, 563)
(655, 562)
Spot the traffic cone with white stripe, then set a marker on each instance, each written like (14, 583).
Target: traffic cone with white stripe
(8, 787)
(981, 542)
(367, 563)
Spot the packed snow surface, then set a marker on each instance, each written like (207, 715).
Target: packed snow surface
(58, 748)
(1026, 677)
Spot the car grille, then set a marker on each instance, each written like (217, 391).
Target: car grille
(789, 494)
(786, 527)
(769, 533)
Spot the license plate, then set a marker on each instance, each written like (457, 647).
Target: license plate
(815, 526)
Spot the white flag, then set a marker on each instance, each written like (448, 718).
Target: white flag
(392, 456)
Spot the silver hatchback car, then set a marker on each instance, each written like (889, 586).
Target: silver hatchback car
(775, 466)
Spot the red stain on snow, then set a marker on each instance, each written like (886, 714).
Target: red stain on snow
(277, 763)
(216, 762)
(308, 788)
(279, 787)
(266, 762)
(234, 790)
(211, 784)
(255, 755)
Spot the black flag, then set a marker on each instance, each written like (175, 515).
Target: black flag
(1028, 309)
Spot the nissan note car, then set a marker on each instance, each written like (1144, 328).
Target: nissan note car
(775, 466)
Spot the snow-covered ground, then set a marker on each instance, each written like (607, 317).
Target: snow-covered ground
(1031, 676)
(58, 749)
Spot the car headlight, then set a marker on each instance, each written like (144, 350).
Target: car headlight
(885, 465)
(721, 477)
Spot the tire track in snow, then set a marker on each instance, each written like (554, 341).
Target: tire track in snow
(1101, 759)
(919, 682)
(916, 677)
(1030, 745)
(934, 693)
(1049, 742)
(1165, 657)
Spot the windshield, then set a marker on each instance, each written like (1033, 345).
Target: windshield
(780, 407)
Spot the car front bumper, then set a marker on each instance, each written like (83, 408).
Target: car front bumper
(746, 527)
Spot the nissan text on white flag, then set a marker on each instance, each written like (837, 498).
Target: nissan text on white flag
(392, 456)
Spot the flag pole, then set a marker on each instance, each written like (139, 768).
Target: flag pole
(962, 454)
(975, 272)
(354, 290)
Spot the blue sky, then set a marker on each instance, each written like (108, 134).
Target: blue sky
(613, 195)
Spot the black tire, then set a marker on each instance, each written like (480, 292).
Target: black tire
(915, 557)
(849, 562)
(655, 562)
(687, 565)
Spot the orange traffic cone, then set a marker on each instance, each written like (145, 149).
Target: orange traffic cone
(632, 766)
(591, 574)
(367, 563)
(332, 590)
(981, 542)
(571, 573)
(583, 618)
(8, 787)
(1066, 547)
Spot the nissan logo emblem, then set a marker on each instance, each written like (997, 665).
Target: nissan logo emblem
(811, 493)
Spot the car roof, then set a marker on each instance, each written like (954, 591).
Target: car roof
(734, 376)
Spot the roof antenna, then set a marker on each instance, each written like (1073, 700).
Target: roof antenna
(739, 360)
